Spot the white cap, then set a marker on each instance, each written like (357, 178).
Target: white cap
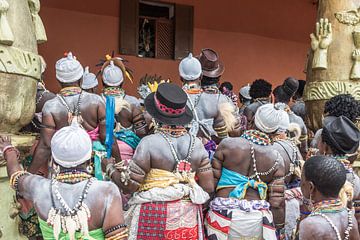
(270, 119)
(245, 92)
(190, 68)
(112, 75)
(71, 146)
(89, 80)
(68, 69)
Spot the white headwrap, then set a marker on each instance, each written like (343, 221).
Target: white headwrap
(112, 75)
(71, 146)
(190, 68)
(89, 80)
(270, 119)
(245, 92)
(68, 69)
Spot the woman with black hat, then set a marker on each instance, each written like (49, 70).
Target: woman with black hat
(167, 200)
(339, 138)
(283, 95)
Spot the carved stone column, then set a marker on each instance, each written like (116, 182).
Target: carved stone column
(324, 83)
(20, 69)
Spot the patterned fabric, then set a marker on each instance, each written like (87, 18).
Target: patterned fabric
(219, 204)
(235, 223)
(181, 204)
(210, 147)
(29, 224)
(158, 178)
(169, 220)
(240, 183)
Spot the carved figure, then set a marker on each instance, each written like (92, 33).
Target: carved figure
(324, 83)
(320, 42)
(355, 70)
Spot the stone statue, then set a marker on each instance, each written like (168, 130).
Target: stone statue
(334, 62)
(320, 42)
(21, 29)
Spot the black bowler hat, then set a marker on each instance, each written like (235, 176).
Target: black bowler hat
(168, 105)
(343, 133)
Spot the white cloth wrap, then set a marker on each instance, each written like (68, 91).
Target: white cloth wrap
(68, 69)
(71, 146)
(112, 75)
(190, 68)
(89, 80)
(269, 119)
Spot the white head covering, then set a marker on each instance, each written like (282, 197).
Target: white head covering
(71, 146)
(112, 75)
(270, 119)
(190, 68)
(68, 69)
(89, 80)
(245, 92)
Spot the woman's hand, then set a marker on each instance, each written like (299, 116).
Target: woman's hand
(4, 142)
(105, 162)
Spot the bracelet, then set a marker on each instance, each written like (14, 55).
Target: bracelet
(14, 179)
(114, 228)
(108, 168)
(120, 235)
(305, 213)
(11, 148)
(280, 225)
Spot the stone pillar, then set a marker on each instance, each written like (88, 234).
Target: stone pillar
(21, 30)
(337, 76)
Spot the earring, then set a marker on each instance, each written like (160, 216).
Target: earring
(311, 205)
(89, 169)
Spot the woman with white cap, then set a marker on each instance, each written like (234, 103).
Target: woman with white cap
(71, 103)
(89, 82)
(249, 173)
(68, 204)
(129, 122)
(213, 114)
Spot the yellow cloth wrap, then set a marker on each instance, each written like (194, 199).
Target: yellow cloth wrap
(162, 179)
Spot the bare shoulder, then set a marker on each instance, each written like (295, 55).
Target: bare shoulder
(132, 100)
(92, 98)
(50, 106)
(234, 143)
(314, 228)
(106, 188)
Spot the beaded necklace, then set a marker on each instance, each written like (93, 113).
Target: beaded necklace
(333, 206)
(70, 91)
(184, 165)
(176, 131)
(329, 206)
(72, 177)
(65, 92)
(212, 89)
(68, 219)
(114, 91)
(257, 137)
(256, 173)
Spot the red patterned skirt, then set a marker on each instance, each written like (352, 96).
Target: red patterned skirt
(180, 219)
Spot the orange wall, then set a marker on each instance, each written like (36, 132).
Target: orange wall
(246, 57)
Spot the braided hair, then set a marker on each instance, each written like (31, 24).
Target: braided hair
(343, 105)
(326, 173)
(260, 88)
